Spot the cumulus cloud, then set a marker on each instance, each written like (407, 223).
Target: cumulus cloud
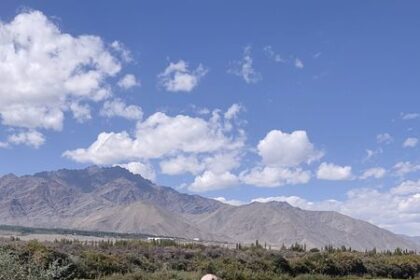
(203, 147)
(244, 68)
(128, 81)
(282, 149)
(31, 138)
(282, 155)
(161, 136)
(81, 112)
(109, 148)
(43, 69)
(332, 172)
(45, 73)
(222, 161)
(139, 168)
(118, 108)
(209, 181)
(405, 167)
(384, 138)
(177, 77)
(32, 117)
(410, 142)
(181, 164)
(218, 162)
(275, 176)
(181, 144)
(375, 172)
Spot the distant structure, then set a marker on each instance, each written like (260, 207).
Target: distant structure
(159, 238)
(210, 277)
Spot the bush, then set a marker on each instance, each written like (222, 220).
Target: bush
(138, 260)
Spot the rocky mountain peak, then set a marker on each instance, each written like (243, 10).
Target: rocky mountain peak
(113, 199)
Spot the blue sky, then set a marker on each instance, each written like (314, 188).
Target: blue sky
(311, 103)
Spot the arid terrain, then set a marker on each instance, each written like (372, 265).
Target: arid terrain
(114, 200)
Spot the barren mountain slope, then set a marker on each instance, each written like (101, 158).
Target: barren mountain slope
(280, 223)
(113, 199)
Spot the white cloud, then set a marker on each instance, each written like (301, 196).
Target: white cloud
(161, 136)
(177, 77)
(281, 156)
(299, 63)
(181, 164)
(294, 61)
(203, 111)
(405, 167)
(233, 202)
(223, 161)
(295, 201)
(375, 172)
(164, 135)
(330, 171)
(210, 181)
(43, 71)
(128, 81)
(407, 187)
(118, 108)
(30, 138)
(384, 138)
(410, 142)
(203, 147)
(231, 116)
(269, 52)
(372, 153)
(207, 168)
(409, 116)
(28, 116)
(396, 209)
(139, 168)
(218, 162)
(244, 68)
(233, 111)
(81, 112)
(109, 148)
(275, 176)
(122, 51)
(182, 144)
(283, 149)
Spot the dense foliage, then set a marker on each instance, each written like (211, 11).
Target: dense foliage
(166, 259)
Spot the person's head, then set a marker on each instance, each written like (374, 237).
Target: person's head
(210, 277)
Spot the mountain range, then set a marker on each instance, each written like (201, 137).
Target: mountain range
(113, 199)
